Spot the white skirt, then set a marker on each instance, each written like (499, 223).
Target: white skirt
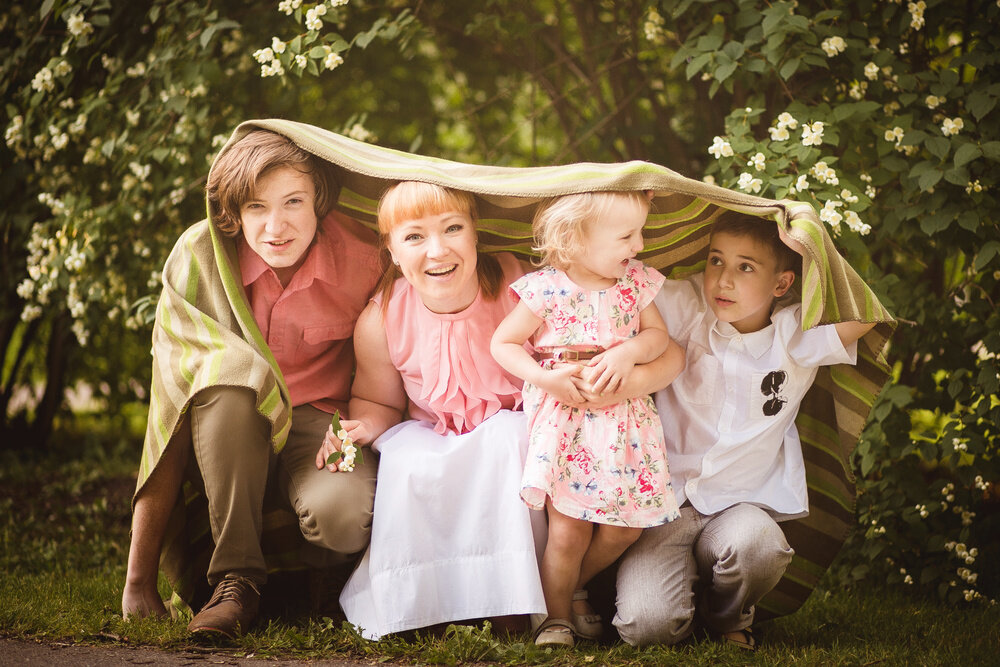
(451, 538)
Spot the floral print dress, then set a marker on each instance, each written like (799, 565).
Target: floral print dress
(607, 465)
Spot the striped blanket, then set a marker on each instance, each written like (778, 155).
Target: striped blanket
(205, 334)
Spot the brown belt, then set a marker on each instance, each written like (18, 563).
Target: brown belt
(570, 355)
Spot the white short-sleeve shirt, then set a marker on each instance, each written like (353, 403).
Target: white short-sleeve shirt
(729, 418)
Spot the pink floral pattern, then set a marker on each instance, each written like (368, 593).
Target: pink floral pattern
(607, 465)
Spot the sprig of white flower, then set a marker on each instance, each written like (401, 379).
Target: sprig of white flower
(748, 183)
(952, 126)
(833, 45)
(77, 26)
(916, 10)
(812, 133)
(757, 161)
(720, 148)
(313, 17)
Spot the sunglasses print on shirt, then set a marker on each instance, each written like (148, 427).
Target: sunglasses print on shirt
(770, 387)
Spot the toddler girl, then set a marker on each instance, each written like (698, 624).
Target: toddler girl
(600, 473)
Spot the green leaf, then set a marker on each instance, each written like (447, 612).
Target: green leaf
(932, 223)
(789, 68)
(938, 146)
(210, 31)
(969, 220)
(335, 421)
(46, 8)
(709, 42)
(991, 149)
(726, 70)
(930, 179)
(986, 254)
(734, 50)
(966, 154)
(980, 103)
(696, 64)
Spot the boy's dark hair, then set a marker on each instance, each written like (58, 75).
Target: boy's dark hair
(763, 231)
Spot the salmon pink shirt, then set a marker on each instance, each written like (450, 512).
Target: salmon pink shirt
(448, 373)
(309, 324)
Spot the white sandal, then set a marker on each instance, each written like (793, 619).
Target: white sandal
(588, 626)
(555, 632)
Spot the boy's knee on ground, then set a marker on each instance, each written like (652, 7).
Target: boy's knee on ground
(646, 624)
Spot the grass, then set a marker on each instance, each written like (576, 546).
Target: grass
(64, 534)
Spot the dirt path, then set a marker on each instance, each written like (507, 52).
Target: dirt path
(36, 654)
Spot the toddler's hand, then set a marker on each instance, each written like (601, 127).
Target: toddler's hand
(559, 383)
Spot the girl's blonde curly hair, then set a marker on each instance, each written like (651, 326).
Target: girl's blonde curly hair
(560, 224)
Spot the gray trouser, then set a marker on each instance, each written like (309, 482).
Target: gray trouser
(738, 555)
(233, 453)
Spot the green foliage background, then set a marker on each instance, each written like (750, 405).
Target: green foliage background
(882, 114)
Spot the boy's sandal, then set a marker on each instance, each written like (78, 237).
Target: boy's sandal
(588, 626)
(745, 642)
(555, 632)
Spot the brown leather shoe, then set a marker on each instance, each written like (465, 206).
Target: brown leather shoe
(231, 610)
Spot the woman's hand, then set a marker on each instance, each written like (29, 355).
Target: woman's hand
(608, 371)
(356, 431)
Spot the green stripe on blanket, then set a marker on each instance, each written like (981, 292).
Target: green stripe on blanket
(206, 335)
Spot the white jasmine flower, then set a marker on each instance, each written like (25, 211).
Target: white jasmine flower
(854, 222)
(31, 312)
(263, 55)
(277, 45)
(333, 61)
(907, 579)
(896, 135)
(786, 119)
(77, 26)
(916, 10)
(801, 183)
(848, 196)
(708, 178)
(858, 90)
(952, 126)
(757, 161)
(933, 101)
(62, 68)
(274, 68)
(748, 183)
(973, 186)
(812, 134)
(833, 45)
(720, 148)
(42, 81)
(871, 71)
(778, 133)
(301, 61)
(830, 215)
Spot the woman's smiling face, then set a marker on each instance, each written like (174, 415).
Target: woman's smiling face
(437, 255)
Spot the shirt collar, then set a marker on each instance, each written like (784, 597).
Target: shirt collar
(757, 343)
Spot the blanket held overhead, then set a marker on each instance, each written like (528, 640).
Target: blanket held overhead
(206, 335)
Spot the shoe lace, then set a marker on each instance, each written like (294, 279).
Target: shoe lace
(232, 588)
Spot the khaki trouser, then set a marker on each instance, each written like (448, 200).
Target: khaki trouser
(231, 445)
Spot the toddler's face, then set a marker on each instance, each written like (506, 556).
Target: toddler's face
(742, 280)
(609, 244)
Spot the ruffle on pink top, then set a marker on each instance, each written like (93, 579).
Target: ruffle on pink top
(448, 372)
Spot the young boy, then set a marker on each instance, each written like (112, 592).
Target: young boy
(735, 458)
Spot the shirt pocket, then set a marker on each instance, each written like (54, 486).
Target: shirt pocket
(697, 383)
(318, 340)
(769, 394)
